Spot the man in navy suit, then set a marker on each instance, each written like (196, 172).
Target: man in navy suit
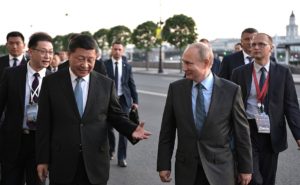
(126, 91)
(270, 100)
(239, 58)
(19, 91)
(76, 106)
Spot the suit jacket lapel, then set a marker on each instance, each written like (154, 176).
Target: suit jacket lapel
(92, 94)
(124, 72)
(216, 98)
(67, 89)
(109, 68)
(248, 78)
(187, 103)
(23, 61)
(22, 83)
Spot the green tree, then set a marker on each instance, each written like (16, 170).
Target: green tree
(58, 43)
(101, 38)
(179, 31)
(3, 50)
(121, 33)
(86, 33)
(144, 38)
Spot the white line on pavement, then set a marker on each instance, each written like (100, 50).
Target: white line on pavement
(152, 93)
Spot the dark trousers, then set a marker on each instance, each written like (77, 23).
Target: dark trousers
(81, 177)
(122, 146)
(24, 168)
(264, 159)
(201, 177)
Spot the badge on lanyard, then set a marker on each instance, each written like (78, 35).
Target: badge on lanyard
(32, 110)
(262, 123)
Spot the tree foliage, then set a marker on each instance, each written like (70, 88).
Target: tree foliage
(101, 38)
(179, 31)
(3, 50)
(144, 36)
(120, 33)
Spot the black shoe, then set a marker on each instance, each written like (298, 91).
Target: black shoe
(122, 163)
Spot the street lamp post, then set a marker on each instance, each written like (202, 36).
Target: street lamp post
(158, 35)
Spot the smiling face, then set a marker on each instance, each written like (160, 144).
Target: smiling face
(82, 61)
(197, 62)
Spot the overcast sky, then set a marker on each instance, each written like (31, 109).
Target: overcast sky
(213, 18)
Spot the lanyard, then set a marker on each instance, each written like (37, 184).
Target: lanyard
(35, 92)
(260, 94)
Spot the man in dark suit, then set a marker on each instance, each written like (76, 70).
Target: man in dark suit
(216, 63)
(204, 126)
(239, 58)
(270, 100)
(71, 139)
(15, 45)
(19, 90)
(126, 91)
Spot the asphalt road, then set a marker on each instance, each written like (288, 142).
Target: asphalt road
(141, 158)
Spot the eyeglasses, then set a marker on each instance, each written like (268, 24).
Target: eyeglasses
(43, 52)
(260, 45)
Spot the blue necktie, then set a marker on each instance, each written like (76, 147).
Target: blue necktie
(79, 95)
(262, 77)
(200, 109)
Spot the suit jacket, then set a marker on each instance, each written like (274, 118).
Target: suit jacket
(213, 146)
(216, 66)
(281, 102)
(4, 63)
(229, 63)
(99, 66)
(61, 130)
(12, 97)
(127, 82)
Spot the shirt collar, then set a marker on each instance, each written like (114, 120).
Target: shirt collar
(257, 67)
(20, 58)
(31, 71)
(74, 77)
(245, 55)
(207, 82)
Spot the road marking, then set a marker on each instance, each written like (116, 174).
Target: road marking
(152, 93)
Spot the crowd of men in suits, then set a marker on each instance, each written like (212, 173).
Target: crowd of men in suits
(43, 97)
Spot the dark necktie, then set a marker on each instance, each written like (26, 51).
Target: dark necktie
(249, 59)
(200, 108)
(15, 62)
(116, 76)
(79, 95)
(34, 86)
(262, 77)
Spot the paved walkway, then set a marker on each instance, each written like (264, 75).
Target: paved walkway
(176, 73)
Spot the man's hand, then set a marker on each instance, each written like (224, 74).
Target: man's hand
(140, 133)
(135, 106)
(42, 170)
(244, 178)
(165, 176)
(298, 143)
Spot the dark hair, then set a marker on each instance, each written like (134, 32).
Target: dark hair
(249, 30)
(82, 41)
(14, 34)
(38, 36)
(117, 42)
